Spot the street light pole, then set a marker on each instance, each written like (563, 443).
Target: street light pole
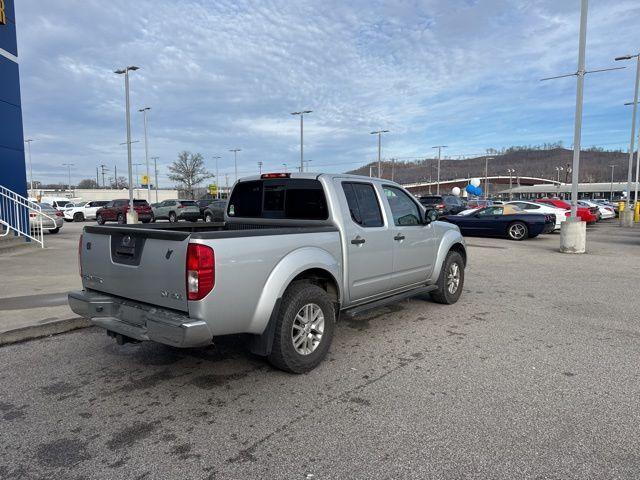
(486, 176)
(611, 187)
(28, 142)
(301, 113)
(260, 168)
(511, 172)
(155, 170)
(235, 160)
(132, 215)
(439, 147)
(146, 150)
(216, 158)
(68, 165)
(379, 133)
(137, 177)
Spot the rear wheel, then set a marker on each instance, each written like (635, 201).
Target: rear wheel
(54, 230)
(172, 217)
(517, 231)
(304, 328)
(121, 219)
(78, 217)
(208, 217)
(99, 219)
(451, 279)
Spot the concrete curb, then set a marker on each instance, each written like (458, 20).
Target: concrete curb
(37, 331)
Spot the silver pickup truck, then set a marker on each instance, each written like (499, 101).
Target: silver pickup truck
(294, 251)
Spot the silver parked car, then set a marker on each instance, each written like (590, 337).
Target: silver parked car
(294, 251)
(175, 210)
(51, 219)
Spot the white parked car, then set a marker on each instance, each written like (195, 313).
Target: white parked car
(606, 211)
(533, 207)
(79, 212)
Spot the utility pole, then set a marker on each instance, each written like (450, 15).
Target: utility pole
(260, 168)
(132, 215)
(226, 180)
(486, 176)
(302, 114)
(98, 178)
(611, 187)
(285, 167)
(235, 160)
(379, 133)
(439, 147)
(137, 177)
(146, 150)
(370, 172)
(393, 169)
(511, 171)
(103, 168)
(28, 142)
(216, 158)
(115, 175)
(155, 168)
(68, 165)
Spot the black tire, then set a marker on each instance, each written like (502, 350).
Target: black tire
(283, 353)
(121, 219)
(54, 230)
(146, 220)
(78, 217)
(67, 220)
(172, 217)
(99, 219)
(517, 231)
(153, 218)
(208, 217)
(443, 293)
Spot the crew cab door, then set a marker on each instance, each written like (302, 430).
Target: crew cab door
(413, 241)
(367, 239)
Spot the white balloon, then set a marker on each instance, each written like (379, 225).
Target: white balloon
(475, 182)
(456, 191)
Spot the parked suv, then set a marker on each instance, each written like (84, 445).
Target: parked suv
(175, 210)
(79, 212)
(443, 204)
(214, 212)
(116, 211)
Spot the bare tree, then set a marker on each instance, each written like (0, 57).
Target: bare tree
(119, 183)
(87, 183)
(188, 171)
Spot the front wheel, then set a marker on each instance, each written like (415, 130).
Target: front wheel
(451, 280)
(304, 328)
(517, 231)
(78, 217)
(54, 230)
(172, 217)
(121, 219)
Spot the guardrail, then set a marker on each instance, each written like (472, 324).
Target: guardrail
(22, 216)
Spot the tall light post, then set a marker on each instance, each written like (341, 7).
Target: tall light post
(137, 177)
(635, 196)
(558, 170)
(216, 158)
(68, 165)
(155, 170)
(611, 187)
(486, 176)
(146, 150)
(260, 168)
(302, 114)
(235, 160)
(511, 171)
(439, 147)
(627, 214)
(285, 167)
(132, 215)
(379, 133)
(28, 142)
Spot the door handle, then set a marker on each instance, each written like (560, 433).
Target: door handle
(358, 241)
(398, 237)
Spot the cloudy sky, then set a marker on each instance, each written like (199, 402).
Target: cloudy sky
(222, 74)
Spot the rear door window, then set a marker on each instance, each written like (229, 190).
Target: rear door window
(363, 204)
(188, 203)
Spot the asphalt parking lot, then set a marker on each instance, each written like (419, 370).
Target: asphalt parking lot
(532, 374)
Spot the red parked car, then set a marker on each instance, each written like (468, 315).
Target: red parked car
(116, 211)
(585, 214)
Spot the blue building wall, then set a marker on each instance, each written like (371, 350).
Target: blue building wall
(12, 160)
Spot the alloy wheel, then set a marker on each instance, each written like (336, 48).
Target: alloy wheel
(307, 329)
(453, 278)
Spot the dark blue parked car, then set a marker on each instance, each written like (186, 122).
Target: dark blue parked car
(503, 221)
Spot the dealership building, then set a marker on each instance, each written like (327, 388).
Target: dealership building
(12, 160)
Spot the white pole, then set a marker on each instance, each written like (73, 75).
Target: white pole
(128, 119)
(28, 142)
(438, 180)
(577, 133)
(146, 151)
(633, 131)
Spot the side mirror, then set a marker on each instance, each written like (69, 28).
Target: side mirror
(430, 216)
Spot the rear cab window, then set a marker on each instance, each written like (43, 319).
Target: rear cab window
(279, 198)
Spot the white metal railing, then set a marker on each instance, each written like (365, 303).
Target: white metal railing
(22, 217)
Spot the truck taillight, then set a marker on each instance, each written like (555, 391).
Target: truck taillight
(80, 255)
(201, 273)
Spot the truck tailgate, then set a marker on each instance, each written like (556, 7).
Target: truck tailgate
(135, 263)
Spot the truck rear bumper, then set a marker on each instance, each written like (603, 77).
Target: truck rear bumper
(140, 321)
